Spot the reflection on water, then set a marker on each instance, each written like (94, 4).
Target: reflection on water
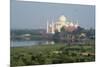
(29, 43)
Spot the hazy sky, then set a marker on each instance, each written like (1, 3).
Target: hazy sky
(32, 15)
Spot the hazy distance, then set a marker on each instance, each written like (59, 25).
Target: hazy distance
(34, 15)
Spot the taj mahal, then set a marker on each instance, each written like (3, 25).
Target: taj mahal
(61, 22)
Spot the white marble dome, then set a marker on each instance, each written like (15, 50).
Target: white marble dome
(62, 18)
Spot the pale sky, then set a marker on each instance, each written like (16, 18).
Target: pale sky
(34, 15)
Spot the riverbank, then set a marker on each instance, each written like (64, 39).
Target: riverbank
(52, 54)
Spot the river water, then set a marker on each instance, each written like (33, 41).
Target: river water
(29, 43)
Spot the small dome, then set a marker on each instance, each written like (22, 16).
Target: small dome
(62, 18)
(71, 24)
(50, 25)
(66, 25)
(76, 25)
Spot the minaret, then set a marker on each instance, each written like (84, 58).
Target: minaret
(53, 28)
(47, 27)
(76, 25)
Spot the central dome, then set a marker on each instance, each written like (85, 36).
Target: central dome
(62, 18)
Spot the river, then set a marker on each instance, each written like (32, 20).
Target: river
(29, 43)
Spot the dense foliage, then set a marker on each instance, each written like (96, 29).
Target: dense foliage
(52, 54)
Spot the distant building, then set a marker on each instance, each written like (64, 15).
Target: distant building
(62, 22)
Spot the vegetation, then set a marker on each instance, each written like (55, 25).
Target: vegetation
(64, 35)
(52, 54)
(79, 47)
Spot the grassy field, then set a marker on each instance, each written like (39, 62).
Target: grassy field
(52, 54)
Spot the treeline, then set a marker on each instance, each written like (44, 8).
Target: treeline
(27, 34)
(76, 35)
(63, 36)
(26, 31)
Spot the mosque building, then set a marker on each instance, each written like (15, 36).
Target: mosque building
(62, 22)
